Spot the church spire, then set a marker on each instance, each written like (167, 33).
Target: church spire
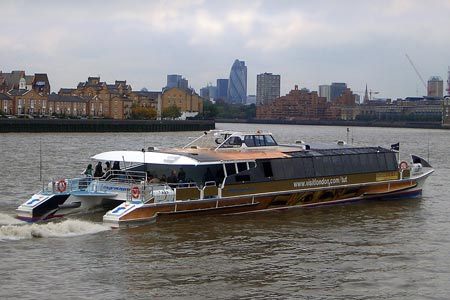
(366, 96)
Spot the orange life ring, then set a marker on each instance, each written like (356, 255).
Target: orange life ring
(403, 165)
(61, 186)
(135, 192)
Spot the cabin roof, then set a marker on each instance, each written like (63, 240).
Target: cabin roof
(195, 157)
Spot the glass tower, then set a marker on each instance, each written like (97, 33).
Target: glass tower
(222, 88)
(237, 84)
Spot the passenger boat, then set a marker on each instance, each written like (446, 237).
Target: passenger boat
(230, 172)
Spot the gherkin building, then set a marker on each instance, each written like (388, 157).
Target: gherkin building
(237, 84)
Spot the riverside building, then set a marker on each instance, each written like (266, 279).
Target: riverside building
(267, 88)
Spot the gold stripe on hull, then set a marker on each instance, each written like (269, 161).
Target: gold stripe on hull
(246, 203)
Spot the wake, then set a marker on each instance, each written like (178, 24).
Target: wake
(15, 229)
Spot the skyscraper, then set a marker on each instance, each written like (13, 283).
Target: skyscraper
(237, 84)
(175, 80)
(435, 87)
(324, 91)
(336, 89)
(267, 88)
(222, 88)
(172, 80)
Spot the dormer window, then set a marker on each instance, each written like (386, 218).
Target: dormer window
(22, 84)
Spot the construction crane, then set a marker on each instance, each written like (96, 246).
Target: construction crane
(417, 72)
(372, 92)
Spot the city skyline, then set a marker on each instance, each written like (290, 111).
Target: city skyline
(307, 43)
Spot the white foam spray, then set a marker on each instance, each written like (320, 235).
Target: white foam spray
(65, 228)
(9, 220)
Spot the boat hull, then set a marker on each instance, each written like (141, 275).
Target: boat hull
(138, 212)
(48, 206)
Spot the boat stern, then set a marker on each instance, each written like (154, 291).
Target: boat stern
(41, 207)
(120, 216)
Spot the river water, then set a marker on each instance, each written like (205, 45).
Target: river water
(367, 250)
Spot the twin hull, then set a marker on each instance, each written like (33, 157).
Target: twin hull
(163, 201)
(51, 203)
(137, 212)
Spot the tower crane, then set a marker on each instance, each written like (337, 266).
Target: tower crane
(417, 72)
(372, 93)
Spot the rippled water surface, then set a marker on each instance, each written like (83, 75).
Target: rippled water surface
(367, 250)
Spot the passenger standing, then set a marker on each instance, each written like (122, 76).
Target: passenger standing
(181, 175)
(116, 166)
(163, 178)
(108, 166)
(98, 170)
(172, 179)
(89, 171)
(115, 169)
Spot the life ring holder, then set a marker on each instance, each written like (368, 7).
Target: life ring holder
(61, 186)
(403, 165)
(135, 192)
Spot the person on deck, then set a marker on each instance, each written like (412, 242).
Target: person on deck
(181, 175)
(172, 179)
(108, 166)
(98, 170)
(88, 171)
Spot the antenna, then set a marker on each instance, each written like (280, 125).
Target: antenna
(40, 159)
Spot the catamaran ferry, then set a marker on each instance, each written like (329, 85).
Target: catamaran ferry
(230, 172)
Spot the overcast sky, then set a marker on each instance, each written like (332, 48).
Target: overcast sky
(307, 42)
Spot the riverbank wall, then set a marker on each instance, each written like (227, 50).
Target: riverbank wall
(102, 125)
(427, 125)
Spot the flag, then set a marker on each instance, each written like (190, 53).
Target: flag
(396, 146)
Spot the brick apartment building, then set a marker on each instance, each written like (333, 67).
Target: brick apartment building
(22, 94)
(297, 105)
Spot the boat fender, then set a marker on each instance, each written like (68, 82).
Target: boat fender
(403, 165)
(416, 167)
(135, 192)
(61, 186)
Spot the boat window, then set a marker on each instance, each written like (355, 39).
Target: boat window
(391, 161)
(242, 166)
(233, 142)
(346, 164)
(328, 166)
(290, 168)
(259, 140)
(270, 141)
(308, 167)
(242, 178)
(381, 161)
(248, 140)
(355, 163)
(251, 165)
(237, 141)
(267, 167)
(370, 162)
(319, 168)
(231, 169)
(337, 163)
